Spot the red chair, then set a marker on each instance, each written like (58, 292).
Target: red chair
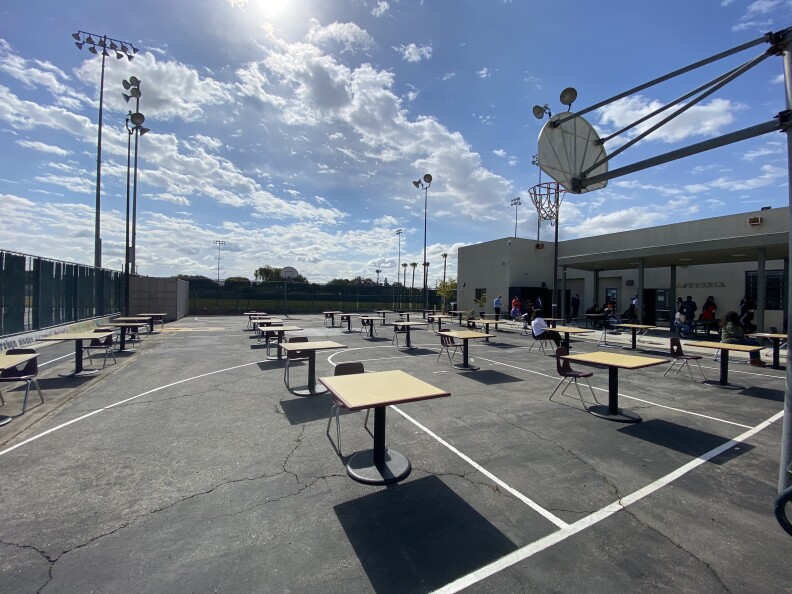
(569, 375)
(683, 359)
(26, 372)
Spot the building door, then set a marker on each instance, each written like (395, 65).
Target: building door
(649, 305)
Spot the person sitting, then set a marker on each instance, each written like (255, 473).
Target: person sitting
(733, 333)
(746, 321)
(609, 317)
(630, 315)
(515, 311)
(540, 328)
(682, 325)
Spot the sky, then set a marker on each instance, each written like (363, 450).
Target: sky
(293, 130)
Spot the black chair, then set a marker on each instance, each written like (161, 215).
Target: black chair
(397, 329)
(27, 373)
(99, 344)
(570, 375)
(541, 340)
(347, 368)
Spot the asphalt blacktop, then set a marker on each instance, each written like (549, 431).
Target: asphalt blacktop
(188, 466)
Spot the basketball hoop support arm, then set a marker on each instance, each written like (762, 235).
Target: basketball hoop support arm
(780, 123)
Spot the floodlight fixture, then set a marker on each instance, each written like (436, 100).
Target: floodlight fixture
(568, 97)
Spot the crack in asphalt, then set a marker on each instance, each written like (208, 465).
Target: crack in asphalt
(50, 561)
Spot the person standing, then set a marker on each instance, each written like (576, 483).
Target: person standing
(574, 305)
(689, 308)
(496, 304)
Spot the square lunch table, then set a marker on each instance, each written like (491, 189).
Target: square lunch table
(380, 465)
(406, 326)
(776, 340)
(634, 328)
(465, 336)
(724, 348)
(311, 347)
(567, 330)
(279, 332)
(78, 338)
(614, 362)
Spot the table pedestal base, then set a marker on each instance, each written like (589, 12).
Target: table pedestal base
(361, 467)
(5, 420)
(463, 367)
(621, 415)
(319, 389)
(81, 373)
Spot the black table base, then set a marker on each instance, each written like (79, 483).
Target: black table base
(5, 420)
(362, 468)
(612, 412)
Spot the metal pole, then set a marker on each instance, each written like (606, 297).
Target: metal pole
(426, 204)
(126, 242)
(786, 432)
(555, 261)
(134, 200)
(97, 236)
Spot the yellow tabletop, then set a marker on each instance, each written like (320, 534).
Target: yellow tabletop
(153, 314)
(267, 322)
(636, 326)
(327, 313)
(770, 335)
(280, 328)
(413, 323)
(367, 390)
(317, 345)
(75, 336)
(467, 334)
(8, 361)
(725, 346)
(616, 360)
(572, 329)
(370, 318)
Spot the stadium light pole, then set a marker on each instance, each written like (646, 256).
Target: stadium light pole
(424, 184)
(133, 87)
(99, 45)
(515, 202)
(398, 262)
(219, 243)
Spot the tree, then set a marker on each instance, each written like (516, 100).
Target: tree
(237, 283)
(272, 273)
(413, 265)
(197, 280)
(447, 291)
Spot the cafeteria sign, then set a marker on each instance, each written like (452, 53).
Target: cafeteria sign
(710, 285)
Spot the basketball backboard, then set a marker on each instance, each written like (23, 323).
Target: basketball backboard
(287, 272)
(568, 149)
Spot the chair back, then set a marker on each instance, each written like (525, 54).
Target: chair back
(446, 340)
(29, 370)
(297, 354)
(562, 365)
(349, 368)
(676, 347)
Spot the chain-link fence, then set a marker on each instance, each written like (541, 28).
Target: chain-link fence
(38, 293)
(284, 297)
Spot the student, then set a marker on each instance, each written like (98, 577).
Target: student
(574, 305)
(681, 324)
(540, 329)
(630, 314)
(496, 305)
(732, 333)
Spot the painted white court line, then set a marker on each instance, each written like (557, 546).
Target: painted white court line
(56, 359)
(551, 539)
(92, 413)
(529, 502)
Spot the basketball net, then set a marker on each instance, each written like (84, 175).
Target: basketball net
(547, 198)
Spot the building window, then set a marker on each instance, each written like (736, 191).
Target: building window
(480, 293)
(774, 288)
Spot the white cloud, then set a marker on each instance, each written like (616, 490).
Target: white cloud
(349, 35)
(414, 53)
(43, 148)
(380, 9)
(707, 119)
(484, 73)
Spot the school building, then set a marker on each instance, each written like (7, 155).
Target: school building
(727, 257)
